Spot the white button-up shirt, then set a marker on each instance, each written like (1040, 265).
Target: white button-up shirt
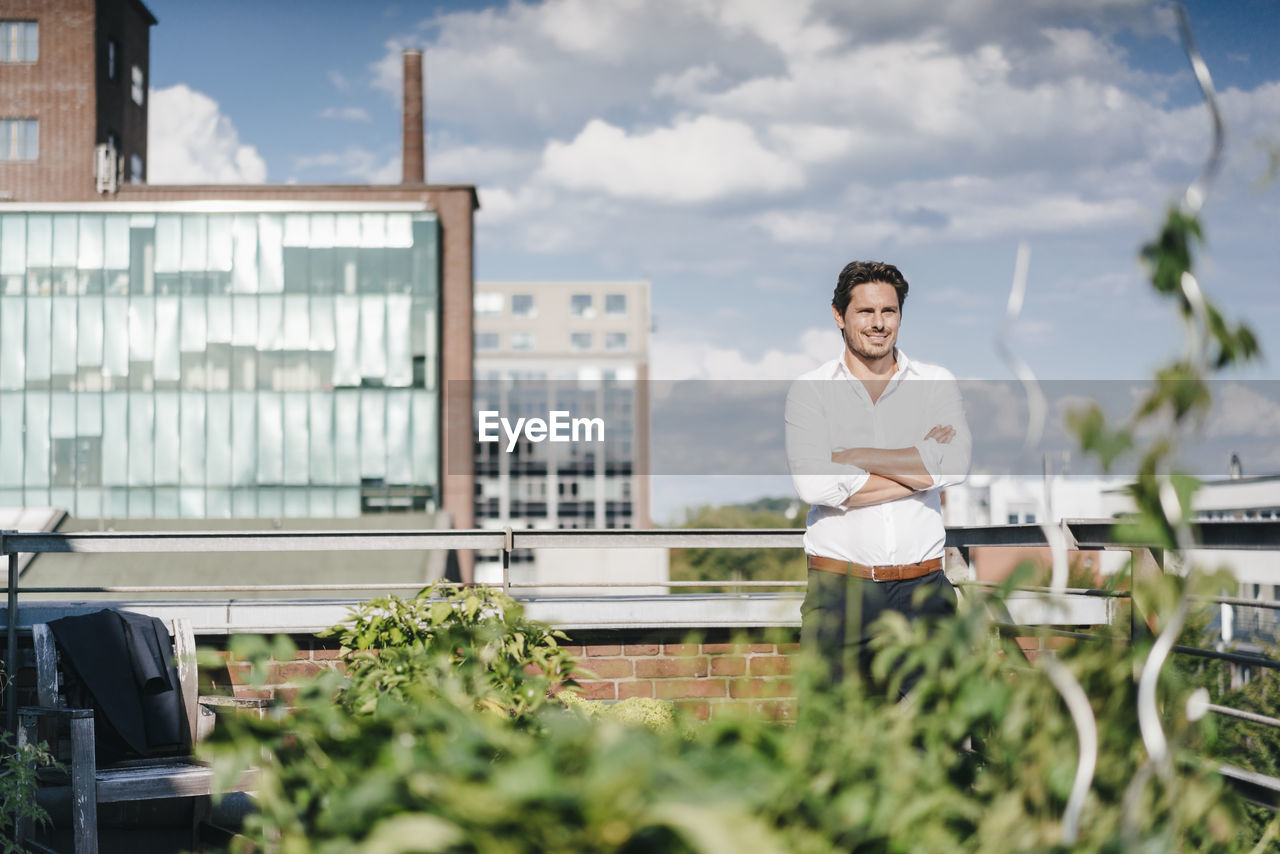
(828, 410)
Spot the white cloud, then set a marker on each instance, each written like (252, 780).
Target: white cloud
(961, 208)
(695, 160)
(687, 84)
(339, 80)
(680, 357)
(190, 141)
(448, 161)
(586, 27)
(798, 226)
(354, 163)
(814, 143)
(349, 114)
(498, 204)
(1241, 410)
(790, 26)
(926, 85)
(717, 144)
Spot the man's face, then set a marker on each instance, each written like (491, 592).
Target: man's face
(870, 323)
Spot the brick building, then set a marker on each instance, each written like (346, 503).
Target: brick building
(73, 76)
(213, 351)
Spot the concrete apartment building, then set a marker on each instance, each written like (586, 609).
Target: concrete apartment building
(213, 351)
(579, 348)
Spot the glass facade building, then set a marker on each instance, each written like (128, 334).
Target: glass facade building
(219, 360)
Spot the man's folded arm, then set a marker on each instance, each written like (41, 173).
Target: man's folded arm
(877, 490)
(817, 478)
(902, 465)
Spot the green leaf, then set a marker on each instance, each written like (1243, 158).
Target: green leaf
(717, 829)
(412, 833)
(441, 611)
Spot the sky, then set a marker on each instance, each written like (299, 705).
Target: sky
(737, 153)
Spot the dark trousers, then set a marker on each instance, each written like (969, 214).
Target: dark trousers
(839, 610)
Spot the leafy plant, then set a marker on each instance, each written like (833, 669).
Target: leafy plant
(18, 784)
(657, 715)
(19, 781)
(428, 769)
(395, 647)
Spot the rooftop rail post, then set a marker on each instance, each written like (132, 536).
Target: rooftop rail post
(1133, 587)
(1147, 562)
(11, 653)
(506, 560)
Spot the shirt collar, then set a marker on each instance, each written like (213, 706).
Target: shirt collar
(842, 371)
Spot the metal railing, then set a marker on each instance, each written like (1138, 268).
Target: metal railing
(1080, 534)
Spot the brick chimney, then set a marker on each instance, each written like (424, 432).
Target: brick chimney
(414, 158)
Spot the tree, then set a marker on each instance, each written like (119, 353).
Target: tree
(746, 564)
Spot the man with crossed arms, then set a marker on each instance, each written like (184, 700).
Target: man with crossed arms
(872, 440)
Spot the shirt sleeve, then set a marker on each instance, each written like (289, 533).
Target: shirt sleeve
(948, 464)
(817, 479)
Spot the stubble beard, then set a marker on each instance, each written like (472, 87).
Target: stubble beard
(850, 342)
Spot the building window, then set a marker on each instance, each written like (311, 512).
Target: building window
(19, 41)
(169, 373)
(487, 305)
(580, 306)
(487, 341)
(135, 168)
(523, 341)
(615, 341)
(19, 139)
(522, 305)
(113, 61)
(615, 304)
(579, 341)
(139, 85)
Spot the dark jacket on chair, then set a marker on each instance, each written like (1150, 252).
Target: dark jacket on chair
(124, 664)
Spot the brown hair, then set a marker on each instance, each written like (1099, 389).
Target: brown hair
(865, 272)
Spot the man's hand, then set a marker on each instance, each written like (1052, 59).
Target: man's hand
(942, 434)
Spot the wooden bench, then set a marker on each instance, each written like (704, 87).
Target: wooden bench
(132, 780)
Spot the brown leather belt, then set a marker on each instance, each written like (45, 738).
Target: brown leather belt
(901, 572)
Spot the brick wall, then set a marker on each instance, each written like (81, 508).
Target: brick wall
(703, 678)
(58, 91)
(700, 677)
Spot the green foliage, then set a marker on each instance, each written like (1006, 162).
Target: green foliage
(18, 784)
(1246, 744)
(1095, 437)
(400, 648)
(702, 564)
(19, 781)
(634, 711)
(424, 769)
(1169, 255)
